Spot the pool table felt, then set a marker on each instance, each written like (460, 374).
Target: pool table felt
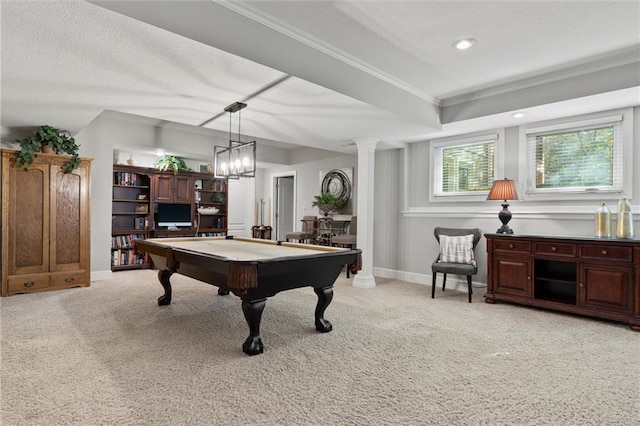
(243, 249)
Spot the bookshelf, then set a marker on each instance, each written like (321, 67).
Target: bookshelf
(131, 215)
(137, 192)
(211, 205)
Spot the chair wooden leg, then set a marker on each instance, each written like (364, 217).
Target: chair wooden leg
(469, 285)
(444, 281)
(433, 285)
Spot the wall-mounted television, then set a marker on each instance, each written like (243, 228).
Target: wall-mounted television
(174, 215)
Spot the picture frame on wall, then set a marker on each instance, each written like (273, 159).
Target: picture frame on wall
(340, 183)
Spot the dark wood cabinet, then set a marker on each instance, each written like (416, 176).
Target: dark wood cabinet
(45, 225)
(170, 188)
(587, 276)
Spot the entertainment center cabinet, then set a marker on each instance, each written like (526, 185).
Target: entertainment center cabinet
(138, 191)
(588, 276)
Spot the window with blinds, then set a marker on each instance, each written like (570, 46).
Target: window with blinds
(464, 167)
(578, 157)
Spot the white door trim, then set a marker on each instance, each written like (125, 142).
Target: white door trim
(272, 201)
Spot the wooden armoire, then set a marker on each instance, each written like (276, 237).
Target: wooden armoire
(45, 225)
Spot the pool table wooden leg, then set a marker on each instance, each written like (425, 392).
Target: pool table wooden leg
(253, 314)
(164, 276)
(325, 295)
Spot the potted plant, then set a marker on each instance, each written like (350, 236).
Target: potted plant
(57, 141)
(218, 197)
(172, 162)
(327, 202)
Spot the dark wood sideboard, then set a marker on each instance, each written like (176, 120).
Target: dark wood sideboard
(582, 275)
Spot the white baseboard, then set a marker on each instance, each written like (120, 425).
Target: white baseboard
(101, 275)
(425, 279)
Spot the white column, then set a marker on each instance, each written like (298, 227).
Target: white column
(365, 186)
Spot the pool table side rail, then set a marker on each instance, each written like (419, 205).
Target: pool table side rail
(240, 274)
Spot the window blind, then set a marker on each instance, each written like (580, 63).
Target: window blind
(585, 156)
(467, 167)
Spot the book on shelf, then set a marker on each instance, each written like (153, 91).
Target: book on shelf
(141, 223)
(126, 179)
(212, 234)
(128, 256)
(219, 185)
(125, 241)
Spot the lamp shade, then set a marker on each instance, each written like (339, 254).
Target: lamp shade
(504, 189)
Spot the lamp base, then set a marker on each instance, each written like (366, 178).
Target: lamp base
(505, 217)
(504, 229)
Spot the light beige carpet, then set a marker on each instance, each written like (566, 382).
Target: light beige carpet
(108, 355)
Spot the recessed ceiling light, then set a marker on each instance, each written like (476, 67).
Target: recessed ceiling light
(464, 43)
(517, 114)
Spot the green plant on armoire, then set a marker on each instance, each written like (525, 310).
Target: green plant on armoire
(48, 139)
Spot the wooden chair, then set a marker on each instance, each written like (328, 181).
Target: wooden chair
(308, 232)
(456, 255)
(349, 240)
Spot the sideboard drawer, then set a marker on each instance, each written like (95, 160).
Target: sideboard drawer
(609, 253)
(555, 249)
(512, 246)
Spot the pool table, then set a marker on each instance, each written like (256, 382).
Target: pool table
(252, 269)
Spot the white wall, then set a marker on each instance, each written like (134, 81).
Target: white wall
(308, 182)
(404, 245)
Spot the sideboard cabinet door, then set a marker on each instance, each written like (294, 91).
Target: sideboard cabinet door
(607, 288)
(512, 276)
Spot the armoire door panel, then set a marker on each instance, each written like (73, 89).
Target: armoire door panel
(67, 220)
(28, 220)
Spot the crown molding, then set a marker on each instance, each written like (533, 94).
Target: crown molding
(605, 62)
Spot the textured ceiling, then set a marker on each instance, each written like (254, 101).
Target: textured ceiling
(314, 73)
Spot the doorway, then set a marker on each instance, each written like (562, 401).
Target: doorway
(284, 204)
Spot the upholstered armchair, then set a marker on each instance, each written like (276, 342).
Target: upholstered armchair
(456, 255)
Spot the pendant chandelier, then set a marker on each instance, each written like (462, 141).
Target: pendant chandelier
(239, 158)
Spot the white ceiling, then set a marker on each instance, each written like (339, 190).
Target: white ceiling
(317, 73)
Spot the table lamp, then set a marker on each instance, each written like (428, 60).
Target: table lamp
(504, 189)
